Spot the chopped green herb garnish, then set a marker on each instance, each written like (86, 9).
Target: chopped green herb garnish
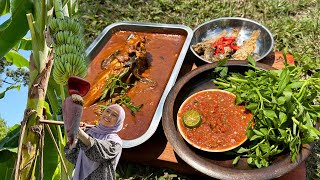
(115, 91)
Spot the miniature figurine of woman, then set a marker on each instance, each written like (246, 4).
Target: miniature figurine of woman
(98, 150)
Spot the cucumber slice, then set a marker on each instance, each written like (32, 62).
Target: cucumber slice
(191, 119)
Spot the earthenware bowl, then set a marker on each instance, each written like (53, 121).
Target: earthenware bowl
(216, 164)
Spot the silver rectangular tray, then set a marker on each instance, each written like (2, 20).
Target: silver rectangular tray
(106, 34)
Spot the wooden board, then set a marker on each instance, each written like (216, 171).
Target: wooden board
(158, 152)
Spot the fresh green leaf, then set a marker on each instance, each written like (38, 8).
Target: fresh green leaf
(270, 114)
(12, 138)
(252, 61)
(264, 162)
(283, 133)
(258, 132)
(25, 44)
(257, 163)
(8, 152)
(258, 152)
(242, 150)
(265, 147)
(281, 100)
(252, 106)
(264, 131)
(282, 117)
(236, 160)
(16, 26)
(251, 72)
(254, 137)
(284, 80)
(51, 158)
(16, 59)
(3, 93)
(287, 94)
(53, 93)
(4, 7)
(5, 24)
(295, 85)
(7, 162)
(222, 62)
(56, 175)
(11, 149)
(223, 71)
(238, 99)
(298, 111)
(47, 108)
(313, 132)
(249, 132)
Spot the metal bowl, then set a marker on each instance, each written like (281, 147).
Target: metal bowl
(214, 27)
(216, 164)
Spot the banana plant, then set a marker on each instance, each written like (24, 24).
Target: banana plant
(48, 74)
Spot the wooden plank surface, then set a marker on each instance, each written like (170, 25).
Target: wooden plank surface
(158, 152)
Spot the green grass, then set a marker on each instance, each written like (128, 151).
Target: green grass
(294, 23)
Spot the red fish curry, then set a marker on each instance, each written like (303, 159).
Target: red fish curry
(162, 53)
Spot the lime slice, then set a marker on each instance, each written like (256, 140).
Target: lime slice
(191, 119)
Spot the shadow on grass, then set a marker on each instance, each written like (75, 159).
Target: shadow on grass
(128, 170)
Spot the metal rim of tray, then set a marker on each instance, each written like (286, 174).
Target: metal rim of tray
(158, 113)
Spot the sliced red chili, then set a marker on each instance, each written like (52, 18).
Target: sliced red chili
(234, 47)
(220, 49)
(217, 42)
(228, 42)
(224, 42)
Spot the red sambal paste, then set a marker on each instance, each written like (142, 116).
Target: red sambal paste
(223, 123)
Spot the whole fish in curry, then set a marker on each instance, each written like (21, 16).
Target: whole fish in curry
(127, 63)
(120, 61)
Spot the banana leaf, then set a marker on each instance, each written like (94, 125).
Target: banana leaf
(16, 27)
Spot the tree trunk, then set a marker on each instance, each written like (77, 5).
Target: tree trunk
(40, 69)
(30, 128)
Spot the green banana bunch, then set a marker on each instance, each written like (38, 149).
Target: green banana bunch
(67, 37)
(66, 24)
(67, 49)
(69, 56)
(68, 65)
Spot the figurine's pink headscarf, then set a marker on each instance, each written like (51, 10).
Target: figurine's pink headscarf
(84, 166)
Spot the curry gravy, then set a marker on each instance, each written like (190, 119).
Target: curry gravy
(163, 51)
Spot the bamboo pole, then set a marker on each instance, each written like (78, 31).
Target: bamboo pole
(41, 152)
(61, 123)
(57, 147)
(27, 114)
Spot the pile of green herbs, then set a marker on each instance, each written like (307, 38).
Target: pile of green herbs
(115, 91)
(284, 108)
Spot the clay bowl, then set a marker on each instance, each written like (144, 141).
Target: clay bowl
(238, 129)
(216, 164)
(214, 27)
